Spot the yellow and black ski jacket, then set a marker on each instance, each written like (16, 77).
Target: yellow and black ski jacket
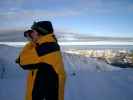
(43, 59)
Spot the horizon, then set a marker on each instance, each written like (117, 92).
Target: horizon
(100, 43)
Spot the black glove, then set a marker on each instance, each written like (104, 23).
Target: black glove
(17, 60)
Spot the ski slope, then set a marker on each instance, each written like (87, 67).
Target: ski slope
(87, 78)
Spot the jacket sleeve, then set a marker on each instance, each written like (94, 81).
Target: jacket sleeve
(30, 57)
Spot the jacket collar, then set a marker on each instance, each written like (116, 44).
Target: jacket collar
(46, 38)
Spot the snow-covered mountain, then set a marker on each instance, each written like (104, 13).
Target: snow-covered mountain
(18, 35)
(87, 78)
(77, 63)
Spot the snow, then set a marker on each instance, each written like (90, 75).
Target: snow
(87, 78)
(12, 88)
(116, 85)
(8, 56)
(77, 63)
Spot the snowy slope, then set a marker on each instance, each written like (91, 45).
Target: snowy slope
(78, 63)
(113, 85)
(12, 77)
(93, 79)
(8, 55)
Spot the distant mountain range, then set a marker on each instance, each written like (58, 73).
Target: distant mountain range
(17, 36)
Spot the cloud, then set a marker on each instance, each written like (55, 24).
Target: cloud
(66, 7)
(18, 11)
(15, 18)
(24, 14)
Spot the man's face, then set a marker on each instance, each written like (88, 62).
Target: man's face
(33, 35)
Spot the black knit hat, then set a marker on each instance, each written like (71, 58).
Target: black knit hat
(43, 27)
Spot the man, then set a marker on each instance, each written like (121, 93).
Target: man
(42, 57)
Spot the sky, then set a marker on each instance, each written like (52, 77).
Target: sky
(112, 18)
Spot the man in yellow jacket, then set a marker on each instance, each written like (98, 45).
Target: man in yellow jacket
(42, 57)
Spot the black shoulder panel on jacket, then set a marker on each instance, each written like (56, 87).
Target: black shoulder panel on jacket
(46, 48)
(29, 66)
(35, 66)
